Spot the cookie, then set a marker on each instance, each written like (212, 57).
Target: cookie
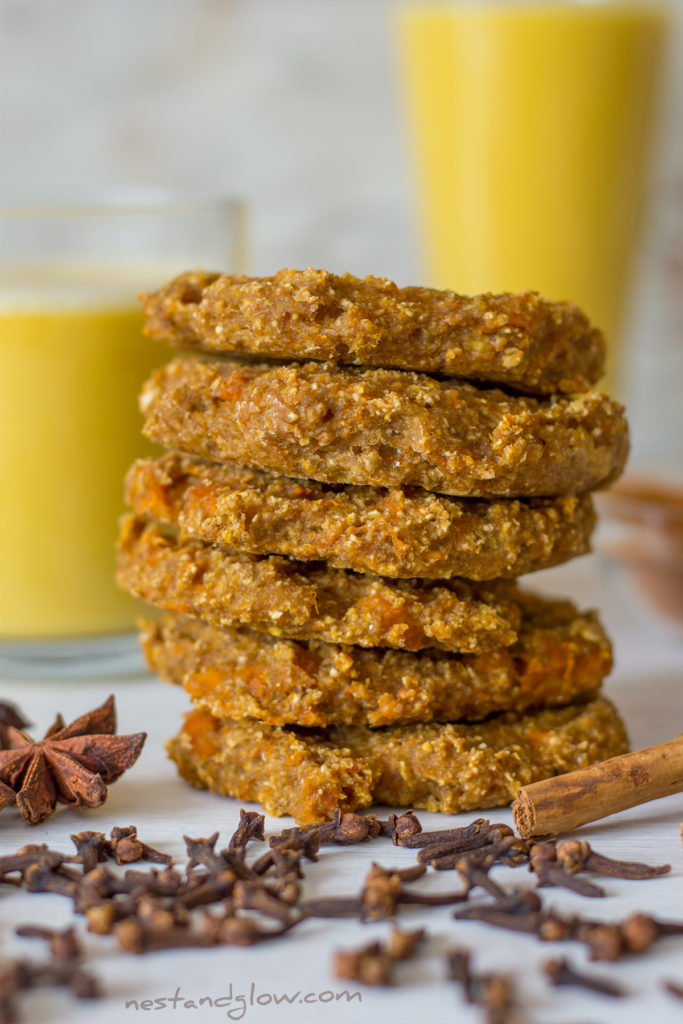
(309, 600)
(403, 532)
(449, 768)
(386, 428)
(516, 339)
(559, 655)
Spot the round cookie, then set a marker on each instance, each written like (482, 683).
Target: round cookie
(516, 339)
(559, 655)
(403, 532)
(386, 428)
(450, 768)
(309, 600)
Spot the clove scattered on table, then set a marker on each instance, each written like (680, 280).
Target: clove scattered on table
(560, 972)
(374, 963)
(223, 898)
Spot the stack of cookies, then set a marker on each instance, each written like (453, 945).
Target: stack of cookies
(356, 476)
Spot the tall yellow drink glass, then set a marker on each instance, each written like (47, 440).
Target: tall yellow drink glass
(72, 360)
(532, 124)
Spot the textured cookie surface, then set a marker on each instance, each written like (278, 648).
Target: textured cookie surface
(386, 428)
(449, 768)
(237, 673)
(309, 600)
(389, 532)
(519, 339)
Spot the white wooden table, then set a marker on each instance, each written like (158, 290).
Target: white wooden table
(291, 980)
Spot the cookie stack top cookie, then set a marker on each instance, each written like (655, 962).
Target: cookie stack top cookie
(357, 474)
(385, 427)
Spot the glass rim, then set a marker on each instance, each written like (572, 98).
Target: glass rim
(124, 205)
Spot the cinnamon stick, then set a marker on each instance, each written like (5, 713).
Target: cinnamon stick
(563, 803)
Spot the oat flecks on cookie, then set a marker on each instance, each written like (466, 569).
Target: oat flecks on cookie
(517, 339)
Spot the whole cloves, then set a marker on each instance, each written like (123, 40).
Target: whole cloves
(81, 983)
(30, 855)
(519, 912)
(153, 910)
(639, 931)
(136, 937)
(430, 899)
(343, 830)
(401, 945)
(604, 941)
(251, 826)
(674, 989)
(99, 884)
(458, 969)
(125, 847)
(332, 906)
(234, 861)
(474, 872)
(444, 855)
(417, 840)
(101, 917)
(380, 894)
(232, 930)
(288, 890)
(553, 928)
(201, 853)
(409, 874)
(354, 828)
(493, 992)
(212, 889)
(151, 915)
(510, 850)
(62, 944)
(373, 964)
(91, 849)
(402, 828)
(305, 844)
(559, 972)
(22, 976)
(286, 863)
(542, 861)
(255, 896)
(167, 882)
(41, 877)
(575, 855)
(369, 965)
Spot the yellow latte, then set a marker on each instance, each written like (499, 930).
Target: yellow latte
(71, 364)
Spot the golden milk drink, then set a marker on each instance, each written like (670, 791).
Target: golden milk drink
(72, 360)
(532, 125)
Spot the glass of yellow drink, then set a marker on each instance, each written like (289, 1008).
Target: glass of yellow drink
(532, 125)
(72, 360)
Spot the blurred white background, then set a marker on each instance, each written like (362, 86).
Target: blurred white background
(291, 104)
(294, 105)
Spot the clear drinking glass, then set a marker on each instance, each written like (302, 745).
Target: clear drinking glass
(72, 360)
(531, 128)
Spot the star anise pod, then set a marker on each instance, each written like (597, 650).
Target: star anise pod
(72, 764)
